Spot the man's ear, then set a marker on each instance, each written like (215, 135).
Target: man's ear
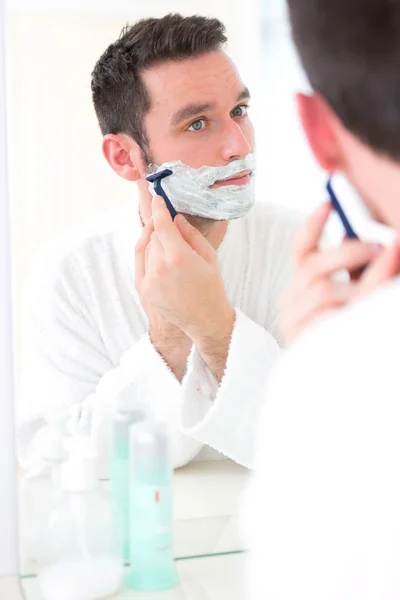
(319, 125)
(123, 155)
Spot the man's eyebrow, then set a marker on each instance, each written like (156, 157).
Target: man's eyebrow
(191, 110)
(194, 110)
(244, 95)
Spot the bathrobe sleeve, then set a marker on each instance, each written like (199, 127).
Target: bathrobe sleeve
(225, 416)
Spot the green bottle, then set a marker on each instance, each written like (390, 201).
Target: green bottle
(151, 516)
(119, 471)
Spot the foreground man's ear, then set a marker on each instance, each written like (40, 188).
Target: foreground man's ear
(319, 125)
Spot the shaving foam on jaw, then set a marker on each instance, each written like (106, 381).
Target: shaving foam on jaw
(189, 189)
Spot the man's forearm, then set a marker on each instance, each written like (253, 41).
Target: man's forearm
(215, 349)
(174, 349)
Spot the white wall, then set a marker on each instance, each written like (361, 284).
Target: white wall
(291, 174)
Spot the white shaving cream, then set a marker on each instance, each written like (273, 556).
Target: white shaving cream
(189, 189)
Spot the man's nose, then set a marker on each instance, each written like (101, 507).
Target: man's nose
(235, 144)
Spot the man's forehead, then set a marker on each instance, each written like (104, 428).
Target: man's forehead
(205, 79)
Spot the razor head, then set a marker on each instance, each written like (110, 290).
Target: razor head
(156, 179)
(157, 176)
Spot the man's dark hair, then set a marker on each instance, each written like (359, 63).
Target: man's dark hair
(350, 50)
(119, 95)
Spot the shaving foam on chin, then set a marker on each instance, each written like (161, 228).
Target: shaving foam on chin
(190, 193)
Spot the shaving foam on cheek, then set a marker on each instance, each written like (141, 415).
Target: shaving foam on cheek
(189, 189)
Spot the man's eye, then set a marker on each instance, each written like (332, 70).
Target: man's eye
(197, 125)
(240, 111)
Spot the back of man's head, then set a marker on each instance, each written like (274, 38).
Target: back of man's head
(350, 50)
(120, 98)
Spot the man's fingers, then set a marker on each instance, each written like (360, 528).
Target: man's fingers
(155, 254)
(140, 250)
(324, 296)
(147, 257)
(382, 270)
(145, 236)
(178, 237)
(309, 236)
(168, 234)
(309, 317)
(195, 239)
(350, 256)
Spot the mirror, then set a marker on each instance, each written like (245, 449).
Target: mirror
(62, 194)
(94, 337)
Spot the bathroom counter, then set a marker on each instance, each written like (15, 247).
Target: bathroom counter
(212, 578)
(207, 497)
(208, 489)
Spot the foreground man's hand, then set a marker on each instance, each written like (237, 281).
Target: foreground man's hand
(314, 290)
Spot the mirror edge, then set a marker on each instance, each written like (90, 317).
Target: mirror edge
(8, 467)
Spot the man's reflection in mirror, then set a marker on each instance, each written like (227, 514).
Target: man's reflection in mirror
(178, 316)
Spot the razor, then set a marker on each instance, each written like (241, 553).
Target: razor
(350, 233)
(156, 179)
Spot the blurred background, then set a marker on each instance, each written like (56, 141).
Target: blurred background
(58, 176)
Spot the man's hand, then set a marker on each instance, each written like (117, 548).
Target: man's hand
(314, 290)
(184, 284)
(170, 341)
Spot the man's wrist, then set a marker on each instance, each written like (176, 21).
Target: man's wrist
(173, 347)
(216, 337)
(168, 340)
(214, 345)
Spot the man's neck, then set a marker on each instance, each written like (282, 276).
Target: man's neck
(375, 177)
(384, 194)
(213, 231)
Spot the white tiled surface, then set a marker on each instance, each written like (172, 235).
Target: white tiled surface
(207, 498)
(212, 578)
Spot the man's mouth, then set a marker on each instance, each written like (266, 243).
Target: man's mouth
(242, 178)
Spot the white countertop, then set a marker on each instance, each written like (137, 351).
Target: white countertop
(208, 489)
(207, 497)
(10, 588)
(212, 578)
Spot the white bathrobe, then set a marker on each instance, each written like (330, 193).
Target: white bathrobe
(323, 509)
(87, 348)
